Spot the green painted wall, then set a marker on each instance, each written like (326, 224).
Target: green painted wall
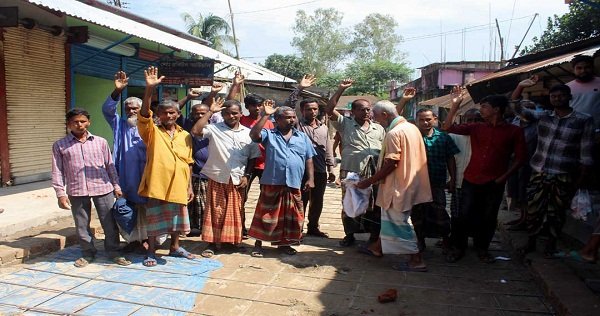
(90, 94)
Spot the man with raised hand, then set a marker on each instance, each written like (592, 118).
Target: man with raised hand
(167, 176)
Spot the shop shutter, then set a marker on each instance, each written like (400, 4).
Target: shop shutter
(35, 93)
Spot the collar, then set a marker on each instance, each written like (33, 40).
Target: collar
(294, 131)
(89, 136)
(436, 132)
(371, 124)
(393, 123)
(178, 128)
(306, 123)
(553, 114)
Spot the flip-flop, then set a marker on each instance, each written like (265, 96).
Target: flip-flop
(369, 252)
(404, 266)
(181, 252)
(288, 250)
(257, 252)
(150, 261)
(122, 261)
(83, 261)
(207, 253)
(576, 256)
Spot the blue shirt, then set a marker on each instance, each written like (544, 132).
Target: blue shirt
(199, 147)
(285, 161)
(129, 152)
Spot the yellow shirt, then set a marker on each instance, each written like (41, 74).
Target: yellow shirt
(167, 172)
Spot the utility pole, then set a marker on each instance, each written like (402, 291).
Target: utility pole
(237, 52)
(501, 44)
(519, 46)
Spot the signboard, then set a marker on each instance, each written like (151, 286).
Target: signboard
(190, 72)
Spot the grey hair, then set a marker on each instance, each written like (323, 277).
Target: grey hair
(166, 104)
(385, 106)
(282, 109)
(135, 100)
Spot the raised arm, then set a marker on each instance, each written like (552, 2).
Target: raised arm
(121, 82)
(307, 81)
(257, 128)
(236, 85)
(216, 106)
(458, 94)
(214, 90)
(407, 95)
(190, 96)
(152, 80)
(330, 109)
(516, 97)
(109, 108)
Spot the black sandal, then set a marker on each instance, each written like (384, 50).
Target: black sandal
(347, 241)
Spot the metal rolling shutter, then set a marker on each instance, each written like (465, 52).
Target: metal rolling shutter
(35, 93)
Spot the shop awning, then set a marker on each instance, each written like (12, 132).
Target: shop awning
(130, 26)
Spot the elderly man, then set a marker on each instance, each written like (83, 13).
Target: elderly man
(403, 184)
(82, 163)
(231, 158)
(167, 176)
(278, 216)
(129, 153)
(361, 143)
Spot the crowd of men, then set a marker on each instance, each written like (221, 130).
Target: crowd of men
(191, 176)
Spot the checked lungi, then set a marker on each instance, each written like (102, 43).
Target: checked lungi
(223, 219)
(197, 207)
(549, 198)
(165, 217)
(278, 217)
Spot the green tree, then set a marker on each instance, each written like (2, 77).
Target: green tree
(321, 41)
(373, 77)
(375, 38)
(287, 65)
(211, 28)
(330, 81)
(579, 23)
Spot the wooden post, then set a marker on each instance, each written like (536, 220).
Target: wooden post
(4, 152)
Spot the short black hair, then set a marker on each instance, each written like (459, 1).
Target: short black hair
(356, 102)
(304, 102)
(423, 110)
(582, 58)
(497, 101)
(253, 99)
(75, 112)
(560, 87)
(229, 103)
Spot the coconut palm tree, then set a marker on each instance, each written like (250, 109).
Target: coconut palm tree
(211, 28)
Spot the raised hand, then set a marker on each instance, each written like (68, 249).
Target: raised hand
(346, 83)
(307, 81)
(193, 94)
(239, 78)
(217, 105)
(457, 94)
(529, 82)
(409, 93)
(269, 107)
(121, 80)
(216, 87)
(152, 78)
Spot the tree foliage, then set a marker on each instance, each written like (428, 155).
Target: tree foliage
(579, 23)
(321, 41)
(211, 28)
(373, 77)
(287, 65)
(375, 38)
(118, 3)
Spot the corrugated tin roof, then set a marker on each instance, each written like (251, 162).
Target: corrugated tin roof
(536, 66)
(445, 101)
(119, 23)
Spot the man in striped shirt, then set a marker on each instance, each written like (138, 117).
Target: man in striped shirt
(83, 170)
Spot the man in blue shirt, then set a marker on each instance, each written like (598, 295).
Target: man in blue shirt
(129, 153)
(279, 214)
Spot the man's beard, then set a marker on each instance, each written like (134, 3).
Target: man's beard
(585, 78)
(132, 121)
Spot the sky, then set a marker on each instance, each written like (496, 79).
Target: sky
(433, 31)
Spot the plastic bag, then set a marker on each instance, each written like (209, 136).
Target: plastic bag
(581, 205)
(356, 201)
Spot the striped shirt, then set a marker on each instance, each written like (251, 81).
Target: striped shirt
(85, 168)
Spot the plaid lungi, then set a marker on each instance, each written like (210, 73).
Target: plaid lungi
(549, 198)
(278, 217)
(197, 206)
(165, 217)
(223, 219)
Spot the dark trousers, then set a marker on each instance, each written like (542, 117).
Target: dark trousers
(431, 219)
(256, 173)
(478, 214)
(81, 208)
(314, 197)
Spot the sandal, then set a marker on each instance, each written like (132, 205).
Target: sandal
(208, 253)
(404, 266)
(122, 261)
(454, 256)
(150, 261)
(316, 233)
(369, 252)
(181, 252)
(257, 252)
(486, 258)
(576, 255)
(288, 250)
(347, 241)
(83, 261)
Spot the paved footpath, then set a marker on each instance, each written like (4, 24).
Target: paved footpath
(322, 279)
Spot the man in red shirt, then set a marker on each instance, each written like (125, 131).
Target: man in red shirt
(493, 142)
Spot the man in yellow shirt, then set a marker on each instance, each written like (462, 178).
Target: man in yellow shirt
(167, 173)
